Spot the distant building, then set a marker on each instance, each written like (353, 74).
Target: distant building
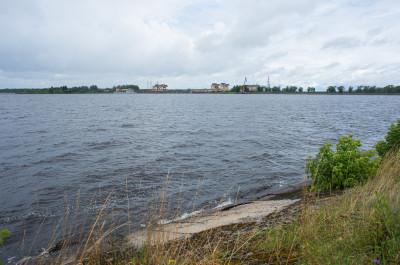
(224, 87)
(219, 87)
(159, 87)
(252, 88)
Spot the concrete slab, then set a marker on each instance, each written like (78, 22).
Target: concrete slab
(249, 212)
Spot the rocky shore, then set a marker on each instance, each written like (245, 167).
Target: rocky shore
(245, 212)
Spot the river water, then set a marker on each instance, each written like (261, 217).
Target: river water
(63, 154)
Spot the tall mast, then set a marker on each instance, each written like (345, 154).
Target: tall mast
(244, 85)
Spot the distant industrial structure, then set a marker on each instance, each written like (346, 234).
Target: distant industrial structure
(219, 87)
(159, 88)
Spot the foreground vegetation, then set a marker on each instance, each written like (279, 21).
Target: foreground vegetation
(341, 168)
(361, 226)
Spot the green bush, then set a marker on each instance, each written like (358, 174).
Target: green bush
(392, 140)
(3, 233)
(342, 168)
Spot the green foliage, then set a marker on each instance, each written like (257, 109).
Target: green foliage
(3, 233)
(350, 90)
(344, 167)
(93, 88)
(275, 89)
(289, 89)
(236, 88)
(267, 89)
(392, 140)
(374, 89)
(310, 89)
(60, 90)
(331, 89)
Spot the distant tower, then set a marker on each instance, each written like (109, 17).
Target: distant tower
(269, 86)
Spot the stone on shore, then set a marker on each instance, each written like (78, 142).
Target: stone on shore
(248, 212)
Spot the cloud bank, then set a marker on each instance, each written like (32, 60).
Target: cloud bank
(190, 44)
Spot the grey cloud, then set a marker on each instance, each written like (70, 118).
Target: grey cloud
(255, 23)
(211, 42)
(374, 32)
(342, 43)
(75, 36)
(71, 42)
(332, 65)
(383, 41)
(259, 21)
(138, 49)
(246, 36)
(276, 55)
(360, 66)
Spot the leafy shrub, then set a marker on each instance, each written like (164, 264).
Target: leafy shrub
(3, 233)
(344, 167)
(392, 140)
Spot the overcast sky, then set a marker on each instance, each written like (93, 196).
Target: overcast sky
(193, 43)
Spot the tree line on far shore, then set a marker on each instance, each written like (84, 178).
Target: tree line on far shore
(66, 90)
(331, 89)
(362, 89)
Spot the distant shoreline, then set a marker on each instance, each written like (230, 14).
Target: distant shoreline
(208, 93)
